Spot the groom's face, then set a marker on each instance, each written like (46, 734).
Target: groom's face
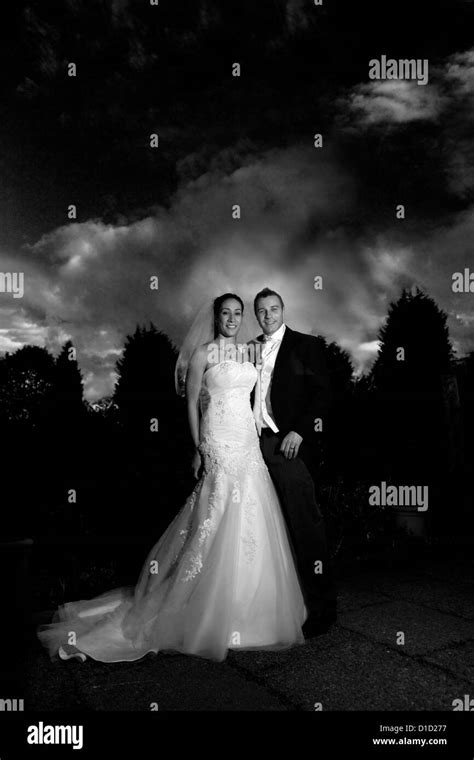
(269, 313)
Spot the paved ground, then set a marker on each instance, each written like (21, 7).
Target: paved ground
(357, 665)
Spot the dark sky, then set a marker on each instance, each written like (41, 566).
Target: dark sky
(166, 211)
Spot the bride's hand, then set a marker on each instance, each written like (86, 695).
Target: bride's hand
(196, 464)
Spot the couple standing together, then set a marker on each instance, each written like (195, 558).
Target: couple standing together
(245, 563)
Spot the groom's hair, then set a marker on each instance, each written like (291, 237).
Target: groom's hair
(263, 294)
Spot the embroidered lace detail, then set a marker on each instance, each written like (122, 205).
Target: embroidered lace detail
(184, 532)
(225, 457)
(248, 535)
(190, 506)
(194, 563)
(195, 560)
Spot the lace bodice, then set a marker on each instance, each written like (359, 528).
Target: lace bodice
(228, 385)
(228, 430)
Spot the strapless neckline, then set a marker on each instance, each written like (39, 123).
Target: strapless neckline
(227, 361)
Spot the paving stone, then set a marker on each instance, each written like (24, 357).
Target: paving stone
(458, 659)
(258, 662)
(363, 675)
(51, 686)
(431, 592)
(172, 683)
(351, 596)
(425, 629)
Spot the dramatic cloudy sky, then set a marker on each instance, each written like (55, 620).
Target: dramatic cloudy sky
(166, 211)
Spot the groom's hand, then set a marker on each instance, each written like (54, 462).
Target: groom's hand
(290, 445)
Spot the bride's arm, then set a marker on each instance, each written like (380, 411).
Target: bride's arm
(193, 389)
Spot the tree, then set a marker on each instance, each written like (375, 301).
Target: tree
(26, 405)
(153, 419)
(145, 386)
(340, 368)
(335, 453)
(69, 385)
(418, 326)
(415, 353)
(27, 381)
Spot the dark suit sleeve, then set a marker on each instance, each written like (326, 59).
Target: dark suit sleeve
(256, 347)
(317, 390)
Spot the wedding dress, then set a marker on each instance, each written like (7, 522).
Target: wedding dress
(222, 576)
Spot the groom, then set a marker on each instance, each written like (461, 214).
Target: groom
(291, 394)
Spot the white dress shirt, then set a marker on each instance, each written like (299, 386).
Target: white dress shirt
(262, 408)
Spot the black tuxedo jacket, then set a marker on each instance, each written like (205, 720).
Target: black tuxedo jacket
(300, 390)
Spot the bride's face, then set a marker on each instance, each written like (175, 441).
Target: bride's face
(229, 318)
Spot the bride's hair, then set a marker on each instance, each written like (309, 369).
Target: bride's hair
(217, 307)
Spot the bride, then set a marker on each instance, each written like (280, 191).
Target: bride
(222, 575)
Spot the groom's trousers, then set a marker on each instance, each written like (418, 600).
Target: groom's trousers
(305, 525)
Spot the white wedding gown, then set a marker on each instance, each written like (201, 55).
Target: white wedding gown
(222, 576)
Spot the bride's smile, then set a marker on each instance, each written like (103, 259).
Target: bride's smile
(229, 319)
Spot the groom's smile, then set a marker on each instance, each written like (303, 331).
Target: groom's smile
(269, 313)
